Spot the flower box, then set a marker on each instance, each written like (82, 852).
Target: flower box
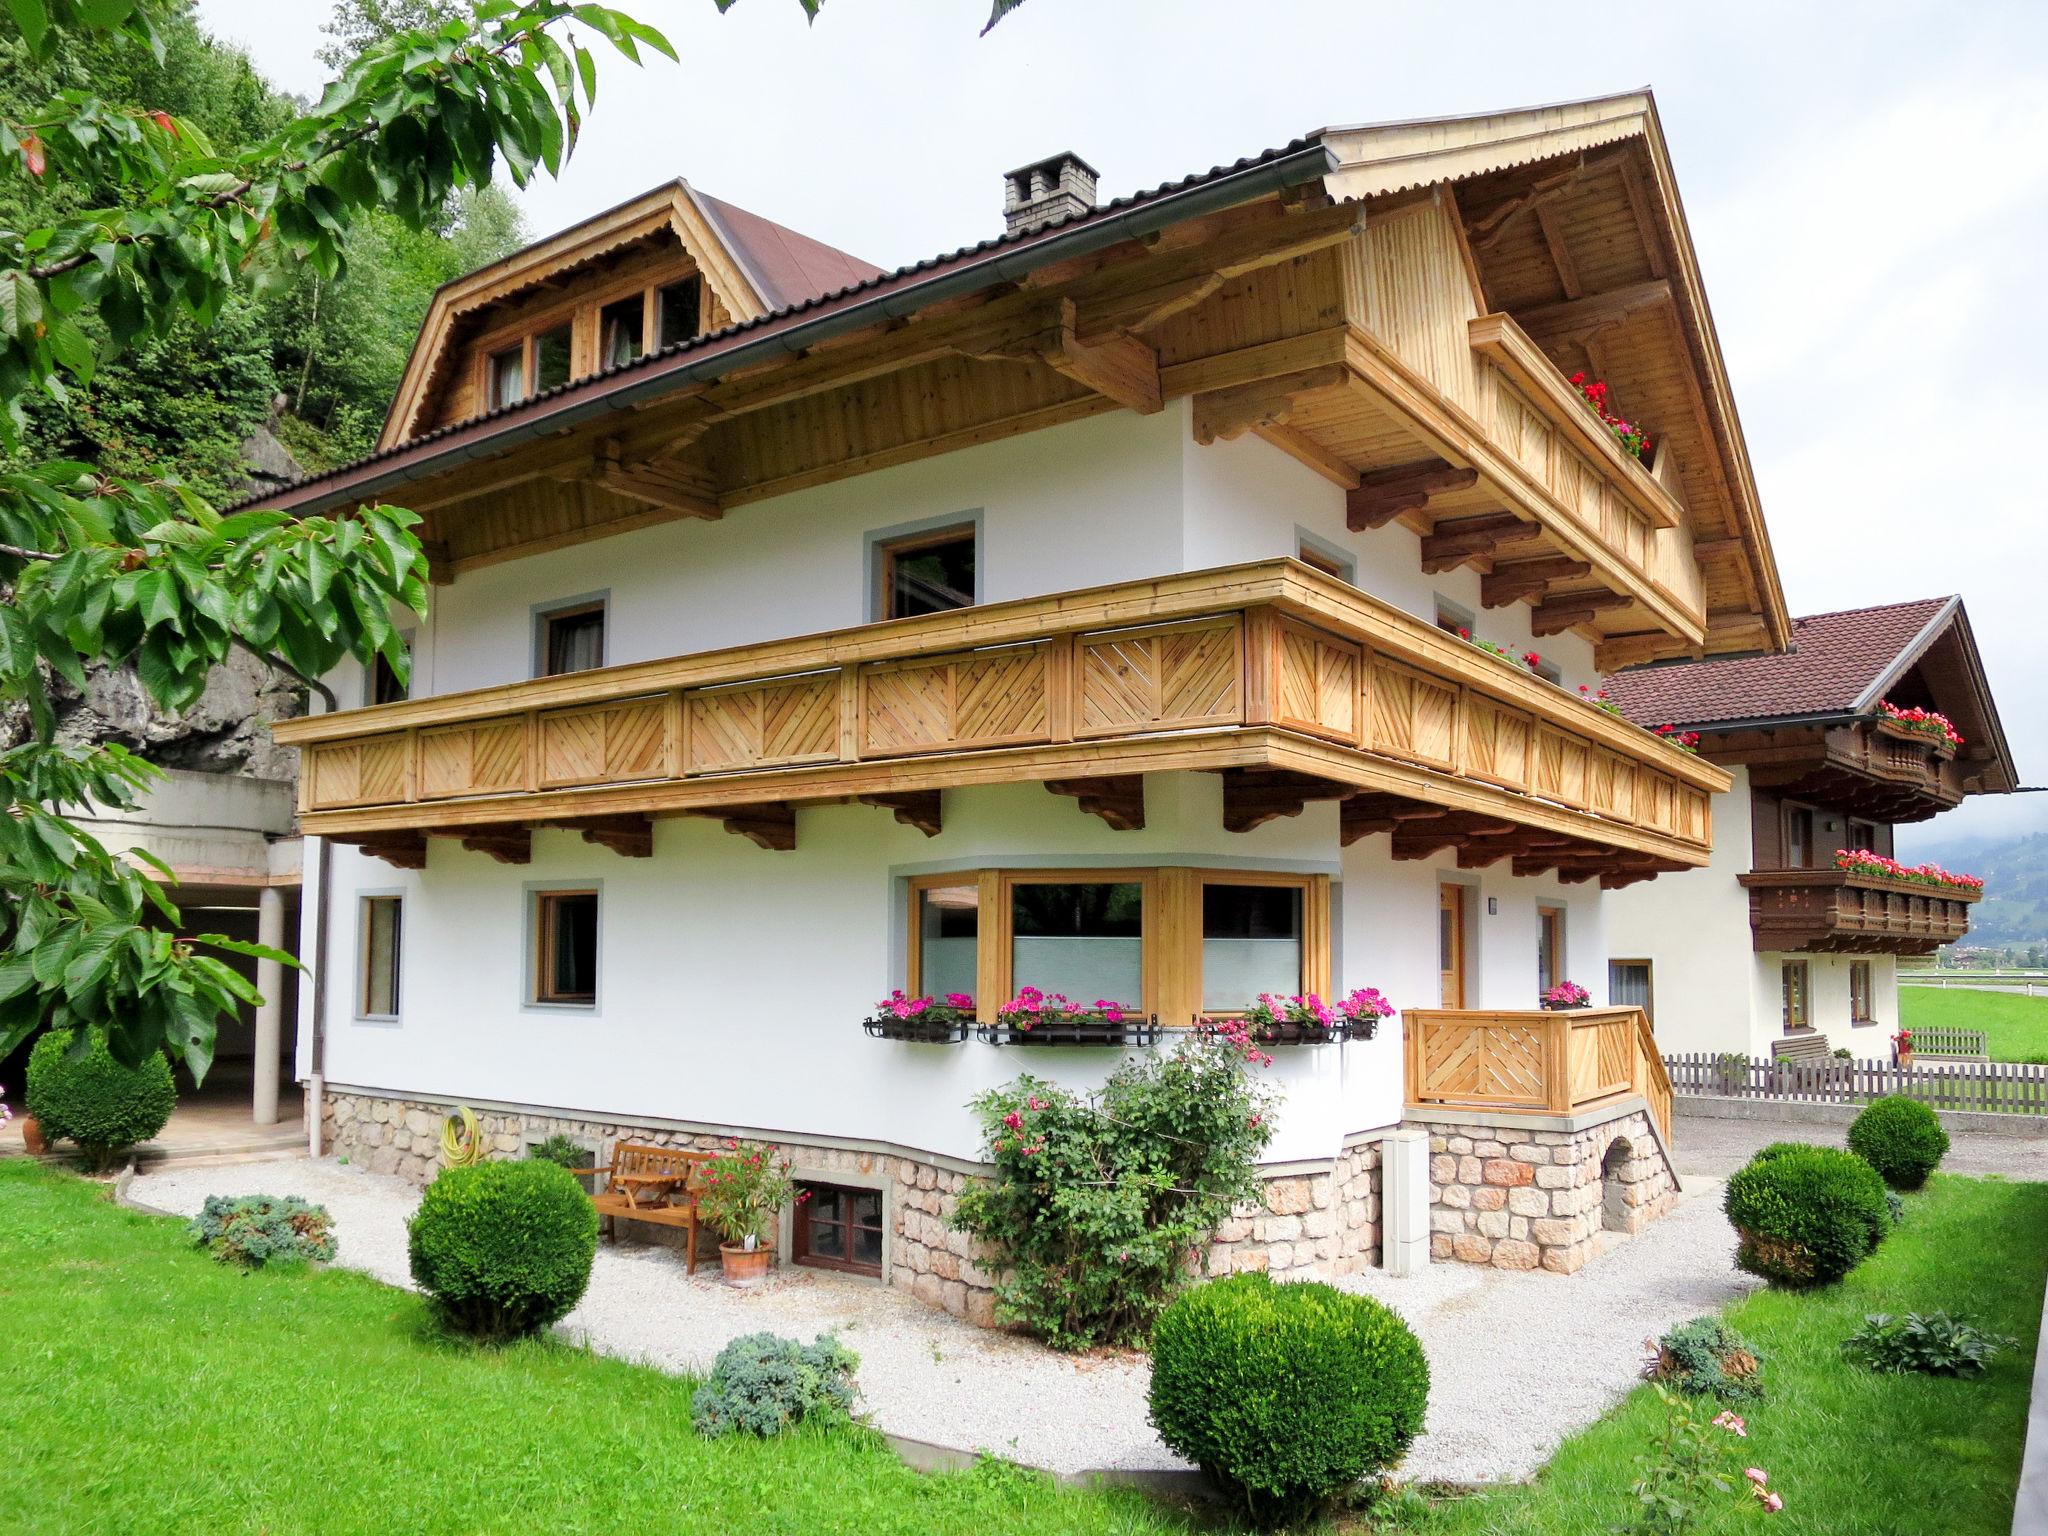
(1308, 1020)
(1875, 866)
(922, 1020)
(1927, 724)
(1034, 1017)
(1566, 997)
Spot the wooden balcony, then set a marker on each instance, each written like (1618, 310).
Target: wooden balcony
(1831, 911)
(1866, 766)
(1543, 1063)
(1295, 686)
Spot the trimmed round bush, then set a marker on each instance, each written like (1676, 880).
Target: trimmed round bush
(503, 1249)
(1902, 1139)
(95, 1101)
(1807, 1215)
(1285, 1394)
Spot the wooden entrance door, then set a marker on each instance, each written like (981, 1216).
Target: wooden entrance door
(1450, 945)
(1798, 996)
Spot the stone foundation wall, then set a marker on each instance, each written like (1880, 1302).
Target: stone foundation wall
(1309, 1225)
(1529, 1199)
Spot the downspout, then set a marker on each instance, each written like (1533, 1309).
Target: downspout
(316, 1076)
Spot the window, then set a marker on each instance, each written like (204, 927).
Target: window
(1549, 948)
(551, 353)
(1251, 943)
(839, 1228)
(678, 311)
(385, 688)
(1860, 1011)
(565, 948)
(1798, 837)
(571, 639)
(1628, 986)
(382, 929)
(507, 375)
(1550, 672)
(621, 328)
(930, 572)
(1863, 834)
(1325, 558)
(1798, 1009)
(1452, 619)
(1084, 939)
(945, 939)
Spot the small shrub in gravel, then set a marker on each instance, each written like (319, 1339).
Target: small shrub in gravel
(94, 1100)
(563, 1150)
(1285, 1394)
(255, 1230)
(503, 1249)
(1707, 1358)
(1901, 1138)
(762, 1384)
(1933, 1343)
(1806, 1216)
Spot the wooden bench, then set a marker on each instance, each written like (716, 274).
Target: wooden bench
(652, 1184)
(1804, 1049)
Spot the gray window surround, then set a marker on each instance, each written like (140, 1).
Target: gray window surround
(529, 929)
(1457, 613)
(875, 539)
(1336, 554)
(357, 1013)
(541, 612)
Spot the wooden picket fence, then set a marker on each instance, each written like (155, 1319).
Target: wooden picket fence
(1942, 1040)
(2004, 1087)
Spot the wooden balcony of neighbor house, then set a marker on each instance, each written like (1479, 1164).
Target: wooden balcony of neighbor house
(1535, 1062)
(1835, 911)
(1294, 686)
(1866, 766)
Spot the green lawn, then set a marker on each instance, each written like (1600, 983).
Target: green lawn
(1851, 1452)
(2015, 1026)
(145, 1388)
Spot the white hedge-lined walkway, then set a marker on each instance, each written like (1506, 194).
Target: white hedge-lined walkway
(1518, 1361)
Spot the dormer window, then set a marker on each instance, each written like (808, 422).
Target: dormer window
(679, 311)
(621, 330)
(551, 353)
(508, 376)
(574, 337)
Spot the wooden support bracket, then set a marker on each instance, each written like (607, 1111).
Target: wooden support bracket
(1254, 796)
(655, 486)
(1460, 539)
(401, 850)
(1568, 610)
(630, 837)
(1514, 580)
(771, 826)
(1385, 494)
(919, 808)
(1232, 412)
(507, 844)
(1362, 815)
(1118, 799)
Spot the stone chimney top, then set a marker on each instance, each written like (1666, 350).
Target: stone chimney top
(1059, 187)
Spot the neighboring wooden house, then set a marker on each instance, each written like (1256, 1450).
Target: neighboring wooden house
(1777, 939)
(1083, 609)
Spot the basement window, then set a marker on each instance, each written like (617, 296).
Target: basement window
(565, 948)
(839, 1228)
(931, 572)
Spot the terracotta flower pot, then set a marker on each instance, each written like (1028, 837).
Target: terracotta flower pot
(32, 1136)
(744, 1266)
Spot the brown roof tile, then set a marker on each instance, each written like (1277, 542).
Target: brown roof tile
(788, 267)
(1834, 659)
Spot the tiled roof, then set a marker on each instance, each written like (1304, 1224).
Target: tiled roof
(1833, 661)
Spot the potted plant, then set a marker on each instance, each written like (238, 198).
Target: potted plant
(1565, 996)
(931, 1020)
(740, 1195)
(1902, 1049)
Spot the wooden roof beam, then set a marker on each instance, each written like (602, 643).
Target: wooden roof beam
(1487, 228)
(1472, 538)
(1568, 610)
(1576, 319)
(1386, 494)
(1362, 815)
(658, 488)
(1119, 799)
(1518, 579)
(1238, 409)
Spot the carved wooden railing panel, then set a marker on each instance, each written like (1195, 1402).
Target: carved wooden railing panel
(1272, 647)
(1830, 911)
(1533, 1061)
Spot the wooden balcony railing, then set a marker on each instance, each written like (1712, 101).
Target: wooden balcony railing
(1832, 911)
(1550, 1063)
(1265, 666)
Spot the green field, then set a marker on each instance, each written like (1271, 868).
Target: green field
(147, 1389)
(2015, 1027)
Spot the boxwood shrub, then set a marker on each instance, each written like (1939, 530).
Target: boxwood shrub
(1806, 1216)
(503, 1249)
(94, 1100)
(1285, 1394)
(1901, 1138)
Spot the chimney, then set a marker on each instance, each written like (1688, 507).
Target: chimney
(1062, 187)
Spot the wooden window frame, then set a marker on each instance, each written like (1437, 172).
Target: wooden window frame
(1789, 812)
(1170, 942)
(1850, 840)
(580, 314)
(541, 994)
(888, 549)
(1553, 943)
(1650, 971)
(547, 616)
(1785, 970)
(1863, 1009)
(800, 1232)
(487, 390)
(366, 929)
(1319, 555)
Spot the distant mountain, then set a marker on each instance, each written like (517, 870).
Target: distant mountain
(2015, 871)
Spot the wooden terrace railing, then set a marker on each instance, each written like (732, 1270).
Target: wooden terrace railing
(1534, 1061)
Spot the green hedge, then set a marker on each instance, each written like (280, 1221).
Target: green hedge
(1806, 1215)
(92, 1099)
(503, 1249)
(1902, 1139)
(1285, 1394)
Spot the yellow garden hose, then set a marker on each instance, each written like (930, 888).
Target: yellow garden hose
(460, 1148)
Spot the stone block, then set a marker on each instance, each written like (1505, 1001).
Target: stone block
(1527, 1152)
(1557, 1178)
(929, 1289)
(1456, 1196)
(1491, 1147)
(1451, 1222)
(1512, 1138)
(1457, 1144)
(1319, 1224)
(1506, 1171)
(981, 1308)
(1277, 1229)
(1280, 1256)
(1528, 1202)
(1443, 1168)
(1439, 1143)
(1469, 1249)
(946, 1265)
(1558, 1231)
(1232, 1229)
(1470, 1170)
(1516, 1255)
(1518, 1227)
(1288, 1197)
(1567, 1261)
(1243, 1259)
(1490, 1197)
(1492, 1223)
(1439, 1246)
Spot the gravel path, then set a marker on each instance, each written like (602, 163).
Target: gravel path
(1518, 1361)
(1718, 1147)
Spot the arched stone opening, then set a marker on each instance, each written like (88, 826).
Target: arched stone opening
(1617, 1170)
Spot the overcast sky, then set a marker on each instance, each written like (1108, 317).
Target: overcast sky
(1867, 184)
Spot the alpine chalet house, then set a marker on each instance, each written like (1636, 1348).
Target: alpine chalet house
(1789, 940)
(1163, 602)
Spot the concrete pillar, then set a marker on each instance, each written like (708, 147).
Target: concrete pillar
(270, 1012)
(1404, 1200)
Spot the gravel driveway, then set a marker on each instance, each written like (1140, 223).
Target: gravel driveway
(1718, 1147)
(1518, 1361)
